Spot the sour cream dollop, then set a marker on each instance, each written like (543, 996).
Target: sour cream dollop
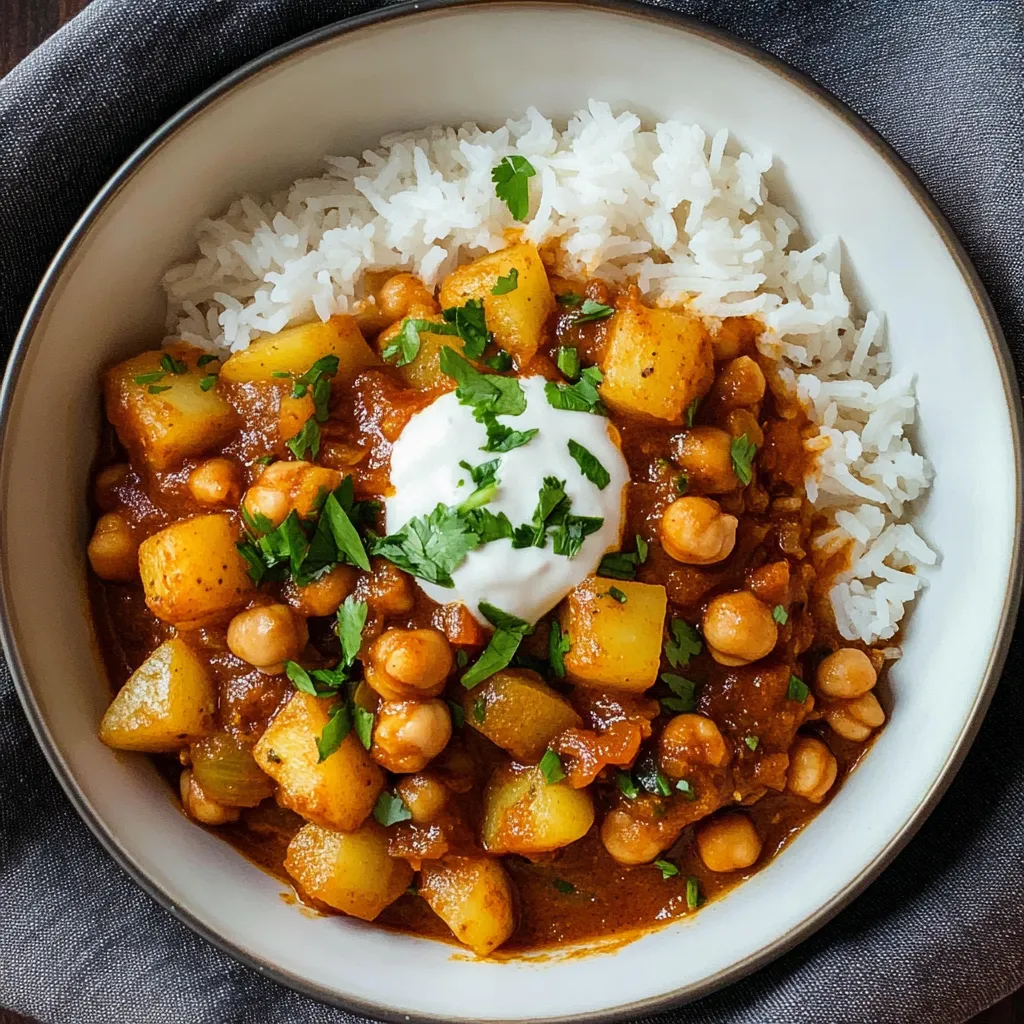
(526, 582)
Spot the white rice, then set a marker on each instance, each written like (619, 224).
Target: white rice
(668, 208)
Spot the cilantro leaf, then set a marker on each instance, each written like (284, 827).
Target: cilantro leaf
(568, 361)
(563, 886)
(685, 690)
(559, 646)
(752, 741)
(149, 378)
(508, 635)
(480, 710)
(488, 525)
(511, 184)
(506, 284)
(471, 327)
(306, 441)
(171, 365)
(346, 538)
(504, 620)
(158, 389)
(404, 347)
(552, 506)
(797, 690)
(743, 451)
(207, 382)
(651, 777)
(390, 809)
(667, 868)
(691, 412)
(622, 565)
(589, 465)
(338, 726)
(484, 392)
(363, 725)
(429, 547)
(694, 897)
(501, 438)
(627, 787)
(551, 767)
(568, 299)
(568, 535)
(579, 397)
(351, 619)
(684, 645)
(500, 361)
(457, 713)
(485, 476)
(591, 311)
(205, 360)
(780, 615)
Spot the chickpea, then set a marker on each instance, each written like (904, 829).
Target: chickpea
(743, 421)
(107, 481)
(387, 590)
(739, 385)
(739, 628)
(113, 550)
(688, 741)
(267, 636)
(216, 482)
(812, 769)
(695, 531)
(284, 486)
(704, 454)
(399, 294)
(855, 719)
(200, 807)
(408, 734)
(845, 674)
(324, 595)
(630, 840)
(728, 842)
(424, 795)
(409, 664)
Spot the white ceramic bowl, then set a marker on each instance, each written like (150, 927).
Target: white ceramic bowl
(338, 91)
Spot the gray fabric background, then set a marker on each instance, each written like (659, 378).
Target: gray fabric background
(941, 935)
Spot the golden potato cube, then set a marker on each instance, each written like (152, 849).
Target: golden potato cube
(474, 897)
(192, 572)
(350, 871)
(517, 317)
(168, 702)
(524, 814)
(175, 420)
(521, 713)
(615, 646)
(296, 349)
(338, 792)
(655, 362)
(292, 415)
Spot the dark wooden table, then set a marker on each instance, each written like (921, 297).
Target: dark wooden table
(24, 24)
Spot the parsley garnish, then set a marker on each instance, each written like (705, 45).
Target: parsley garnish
(487, 525)
(158, 389)
(485, 476)
(338, 726)
(691, 411)
(479, 710)
(682, 484)
(501, 438)
(511, 184)
(317, 380)
(171, 365)
(694, 898)
(390, 809)
(506, 284)
(501, 396)
(651, 778)
(579, 397)
(684, 645)
(685, 691)
(568, 536)
(780, 615)
(551, 767)
(667, 868)
(306, 441)
(552, 505)
(559, 646)
(458, 714)
(620, 565)
(591, 310)
(617, 595)
(797, 690)
(752, 741)
(364, 725)
(351, 618)
(404, 347)
(471, 327)
(205, 360)
(627, 787)
(568, 361)
(508, 635)
(207, 382)
(589, 465)
(743, 451)
(563, 887)
(149, 378)
(500, 361)
(568, 299)
(430, 547)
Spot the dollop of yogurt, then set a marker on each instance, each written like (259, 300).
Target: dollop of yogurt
(526, 582)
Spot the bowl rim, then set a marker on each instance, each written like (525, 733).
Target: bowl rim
(634, 9)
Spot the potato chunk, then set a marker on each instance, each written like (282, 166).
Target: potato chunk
(337, 793)
(518, 711)
(177, 418)
(351, 871)
(516, 318)
(655, 362)
(525, 815)
(474, 897)
(296, 349)
(168, 702)
(614, 646)
(192, 572)
(424, 372)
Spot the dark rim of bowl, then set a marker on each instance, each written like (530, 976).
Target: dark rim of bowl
(678, 22)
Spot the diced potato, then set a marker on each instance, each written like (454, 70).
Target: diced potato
(655, 362)
(351, 871)
(192, 572)
(614, 646)
(474, 897)
(525, 815)
(292, 415)
(296, 349)
(337, 793)
(175, 421)
(168, 702)
(516, 318)
(521, 713)
(424, 372)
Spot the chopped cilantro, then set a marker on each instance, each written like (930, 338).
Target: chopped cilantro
(694, 898)
(569, 299)
(390, 809)
(348, 544)
(568, 535)
(591, 310)
(205, 360)
(461, 658)
(589, 465)
(551, 767)
(627, 787)
(552, 505)
(651, 777)
(471, 327)
(351, 618)
(568, 361)
(363, 725)
(265, 460)
(508, 635)
(511, 184)
(479, 710)
(429, 547)
(559, 646)
(171, 365)
(306, 441)
(780, 615)
(506, 284)
(579, 397)
(685, 691)
(158, 389)
(797, 690)
(621, 565)
(487, 525)
(743, 451)
(684, 645)
(334, 732)
(458, 714)
(617, 594)
(149, 378)
(502, 396)
(404, 347)
(682, 484)
(207, 382)
(752, 741)
(667, 868)
(485, 476)
(500, 361)
(501, 438)
(563, 886)
(691, 412)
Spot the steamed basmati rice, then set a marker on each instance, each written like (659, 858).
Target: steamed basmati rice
(668, 208)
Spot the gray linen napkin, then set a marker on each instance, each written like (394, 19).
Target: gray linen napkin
(941, 935)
